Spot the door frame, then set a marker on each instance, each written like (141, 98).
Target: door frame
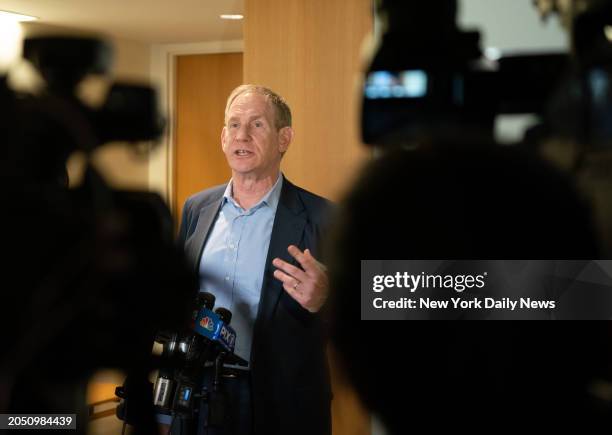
(163, 76)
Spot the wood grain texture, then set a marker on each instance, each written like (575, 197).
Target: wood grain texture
(349, 416)
(309, 52)
(203, 83)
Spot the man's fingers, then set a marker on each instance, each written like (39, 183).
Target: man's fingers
(311, 257)
(296, 253)
(289, 284)
(309, 286)
(290, 269)
(286, 279)
(306, 260)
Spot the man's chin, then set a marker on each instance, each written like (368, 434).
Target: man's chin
(243, 169)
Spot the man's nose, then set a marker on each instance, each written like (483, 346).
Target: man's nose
(243, 133)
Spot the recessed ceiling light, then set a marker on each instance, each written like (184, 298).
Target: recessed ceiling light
(10, 43)
(16, 17)
(231, 17)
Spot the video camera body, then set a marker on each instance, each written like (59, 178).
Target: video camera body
(428, 84)
(92, 272)
(429, 79)
(429, 102)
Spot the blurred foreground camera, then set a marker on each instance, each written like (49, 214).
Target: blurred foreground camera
(429, 104)
(429, 79)
(92, 273)
(129, 112)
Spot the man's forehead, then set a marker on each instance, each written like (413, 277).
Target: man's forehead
(250, 102)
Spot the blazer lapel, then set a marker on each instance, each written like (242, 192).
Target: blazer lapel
(288, 228)
(195, 245)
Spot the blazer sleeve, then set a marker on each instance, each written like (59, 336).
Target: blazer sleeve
(185, 224)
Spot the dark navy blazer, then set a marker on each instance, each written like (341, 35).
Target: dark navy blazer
(291, 388)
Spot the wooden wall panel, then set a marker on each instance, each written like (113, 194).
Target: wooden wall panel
(309, 52)
(349, 416)
(203, 83)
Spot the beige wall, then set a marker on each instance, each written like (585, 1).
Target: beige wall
(309, 52)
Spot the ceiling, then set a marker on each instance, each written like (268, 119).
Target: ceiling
(149, 21)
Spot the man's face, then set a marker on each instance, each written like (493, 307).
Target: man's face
(250, 140)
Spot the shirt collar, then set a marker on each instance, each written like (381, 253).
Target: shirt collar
(271, 198)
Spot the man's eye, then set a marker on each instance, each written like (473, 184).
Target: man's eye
(233, 125)
(258, 124)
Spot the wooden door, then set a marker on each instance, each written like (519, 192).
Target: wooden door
(203, 83)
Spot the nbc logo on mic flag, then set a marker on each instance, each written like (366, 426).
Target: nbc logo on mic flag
(207, 323)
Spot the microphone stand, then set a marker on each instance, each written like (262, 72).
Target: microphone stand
(214, 401)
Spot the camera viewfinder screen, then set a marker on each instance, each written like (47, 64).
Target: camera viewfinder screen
(389, 85)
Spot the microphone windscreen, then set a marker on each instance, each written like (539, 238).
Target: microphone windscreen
(224, 314)
(205, 299)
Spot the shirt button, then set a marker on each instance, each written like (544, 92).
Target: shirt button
(232, 246)
(227, 278)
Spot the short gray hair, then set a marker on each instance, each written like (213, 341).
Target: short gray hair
(283, 112)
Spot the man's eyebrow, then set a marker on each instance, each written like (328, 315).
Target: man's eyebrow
(251, 118)
(254, 117)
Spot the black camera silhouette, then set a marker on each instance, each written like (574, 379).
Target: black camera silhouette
(92, 272)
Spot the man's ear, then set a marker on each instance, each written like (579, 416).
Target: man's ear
(285, 136)
(223, 138)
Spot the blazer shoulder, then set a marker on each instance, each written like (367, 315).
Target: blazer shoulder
(205, 197)
(316, 206)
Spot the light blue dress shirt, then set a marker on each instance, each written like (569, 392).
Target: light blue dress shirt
(233, 263)
(234, 260)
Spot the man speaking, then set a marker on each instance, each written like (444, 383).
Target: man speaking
(254, 242)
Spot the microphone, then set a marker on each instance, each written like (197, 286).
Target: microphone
(202, 300)
(193, 345)
(205, 299)
(163, 391)
(224, 314)
(215, 327)
(185, 343)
